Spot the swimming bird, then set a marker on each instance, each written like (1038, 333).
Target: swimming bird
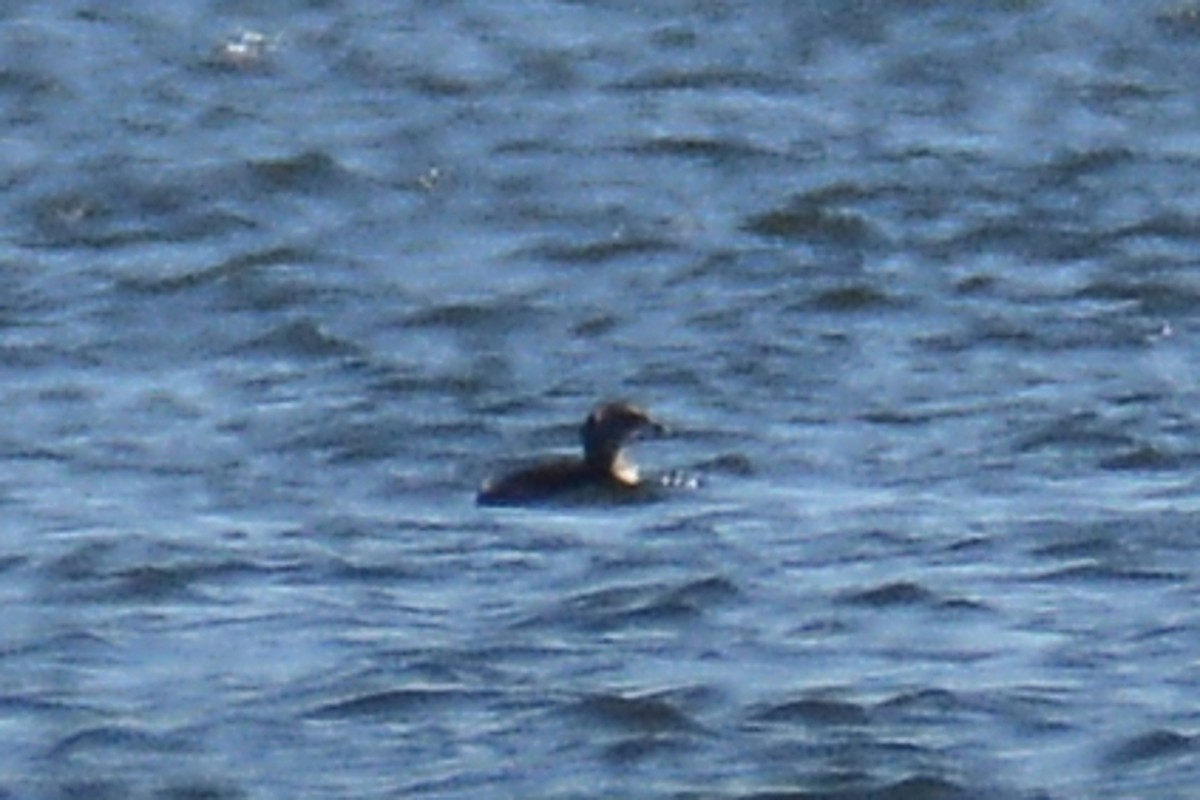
(603, 467)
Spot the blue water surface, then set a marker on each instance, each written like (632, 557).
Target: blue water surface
(914, 284)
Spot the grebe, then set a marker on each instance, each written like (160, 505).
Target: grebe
(603, 466)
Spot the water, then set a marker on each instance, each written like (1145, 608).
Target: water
(913, 283)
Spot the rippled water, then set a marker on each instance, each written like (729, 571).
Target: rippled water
(913, 283)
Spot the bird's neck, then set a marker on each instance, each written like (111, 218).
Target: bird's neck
(612, 464)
